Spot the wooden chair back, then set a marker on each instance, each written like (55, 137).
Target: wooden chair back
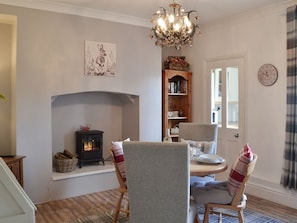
(122, 189)
(118, 174)
(238, 196)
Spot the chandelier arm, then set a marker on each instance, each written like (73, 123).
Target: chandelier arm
(158, 13)
(189, 13)
(164, 10)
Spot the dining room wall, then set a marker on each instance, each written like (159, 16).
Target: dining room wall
(50, 62)
(259, 37)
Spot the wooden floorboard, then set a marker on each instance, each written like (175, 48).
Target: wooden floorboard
(86, 205)
(272, 209)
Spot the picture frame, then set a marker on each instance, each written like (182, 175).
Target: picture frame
(100, 58)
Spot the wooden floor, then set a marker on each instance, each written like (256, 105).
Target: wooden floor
(283, 213)
(86, 205)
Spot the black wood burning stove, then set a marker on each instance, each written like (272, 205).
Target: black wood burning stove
(89, 146)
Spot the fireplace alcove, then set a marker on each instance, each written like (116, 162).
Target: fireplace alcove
(116, 114)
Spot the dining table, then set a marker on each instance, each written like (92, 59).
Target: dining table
(203, 169)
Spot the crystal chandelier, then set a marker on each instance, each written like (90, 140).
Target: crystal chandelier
(176, 29)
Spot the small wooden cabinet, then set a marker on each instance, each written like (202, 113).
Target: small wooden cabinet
(176, 100)
(15, 163)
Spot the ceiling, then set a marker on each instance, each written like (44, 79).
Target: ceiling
(208, 10)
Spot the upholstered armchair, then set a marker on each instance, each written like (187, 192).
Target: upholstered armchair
(198, 132)
(158, 181)
(205, 135)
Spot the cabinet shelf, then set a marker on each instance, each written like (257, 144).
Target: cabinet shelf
(176, 96)
(173, 136)
(177, 118)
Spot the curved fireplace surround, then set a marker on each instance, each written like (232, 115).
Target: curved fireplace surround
(117, 115)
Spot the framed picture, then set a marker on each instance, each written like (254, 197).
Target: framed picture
(100, 58)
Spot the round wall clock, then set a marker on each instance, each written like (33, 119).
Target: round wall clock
(267, 74)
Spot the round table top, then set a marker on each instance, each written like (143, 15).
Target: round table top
(204, 169)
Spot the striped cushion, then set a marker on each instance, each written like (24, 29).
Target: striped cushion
(117, 149)
(239, 169)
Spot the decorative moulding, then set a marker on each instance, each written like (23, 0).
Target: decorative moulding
(86, 12)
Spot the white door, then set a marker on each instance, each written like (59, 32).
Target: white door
(226, 97)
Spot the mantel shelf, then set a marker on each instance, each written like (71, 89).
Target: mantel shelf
(84, 171)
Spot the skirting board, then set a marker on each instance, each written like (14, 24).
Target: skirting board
(272, 191)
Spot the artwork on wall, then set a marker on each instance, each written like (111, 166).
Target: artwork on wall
(100, 58)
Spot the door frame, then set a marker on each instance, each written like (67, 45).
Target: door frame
(206, 98)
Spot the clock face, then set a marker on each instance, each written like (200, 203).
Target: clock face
(267, 74)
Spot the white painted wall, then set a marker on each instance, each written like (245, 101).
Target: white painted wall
(259, 37)
(50, 62)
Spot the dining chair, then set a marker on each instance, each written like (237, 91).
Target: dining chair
(158, 181)
(198, 132)
(205, 134)
(238, 199)
(122, 189)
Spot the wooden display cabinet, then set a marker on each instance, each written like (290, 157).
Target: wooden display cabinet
(176, 100)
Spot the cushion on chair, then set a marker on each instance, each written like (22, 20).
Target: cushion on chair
(117, 149)
(208, 147)
(212, 192)
(239, 169)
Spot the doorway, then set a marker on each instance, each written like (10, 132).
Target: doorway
(7, 84)
(226, 96)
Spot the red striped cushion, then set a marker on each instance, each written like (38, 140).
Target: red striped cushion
(239, 169)
(117, 148)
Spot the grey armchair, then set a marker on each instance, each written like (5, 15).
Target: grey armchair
(158, 181)
(198, 132)
(203, 133)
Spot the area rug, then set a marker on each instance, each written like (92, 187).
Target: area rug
(250, 217)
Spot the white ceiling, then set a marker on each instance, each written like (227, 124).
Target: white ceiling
(208, 10)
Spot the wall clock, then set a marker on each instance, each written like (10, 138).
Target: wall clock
(267, 74)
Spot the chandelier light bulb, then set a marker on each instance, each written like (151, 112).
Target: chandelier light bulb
(176, 29)
(161, 23)
(171, 18)
(187, 21)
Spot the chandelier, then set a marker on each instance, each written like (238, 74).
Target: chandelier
(176, 29)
